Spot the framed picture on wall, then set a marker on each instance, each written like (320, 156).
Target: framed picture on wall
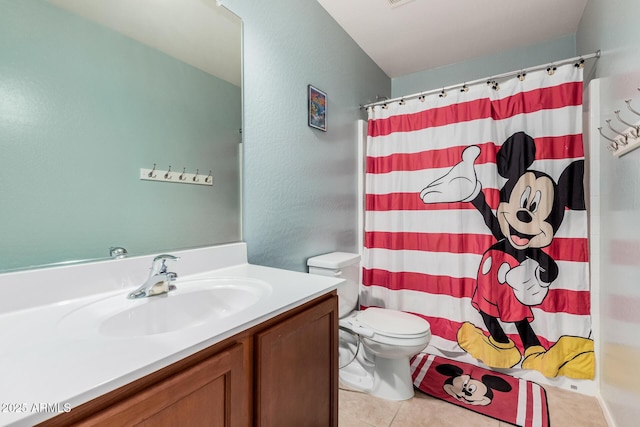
(317, 108)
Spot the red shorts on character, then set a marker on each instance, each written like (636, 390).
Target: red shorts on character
(493, 295)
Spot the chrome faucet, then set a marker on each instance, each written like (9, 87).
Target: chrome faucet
(159, 281)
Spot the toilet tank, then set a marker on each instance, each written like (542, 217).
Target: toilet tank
(343, 265)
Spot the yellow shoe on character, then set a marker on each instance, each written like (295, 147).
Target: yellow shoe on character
(570, 356)
(492, 353)
(583, 366)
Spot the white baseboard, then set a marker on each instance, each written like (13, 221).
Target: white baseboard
(605, 410)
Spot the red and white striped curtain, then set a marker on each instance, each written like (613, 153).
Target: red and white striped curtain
(475, 220)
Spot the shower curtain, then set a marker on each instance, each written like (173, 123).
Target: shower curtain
(475, 220)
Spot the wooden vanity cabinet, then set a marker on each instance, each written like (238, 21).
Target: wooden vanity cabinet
(297, 370)
(205, 391)
(283, 372)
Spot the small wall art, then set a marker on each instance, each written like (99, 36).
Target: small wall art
(317, 108)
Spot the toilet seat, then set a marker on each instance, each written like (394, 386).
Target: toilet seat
(393, 323)
(390, 327)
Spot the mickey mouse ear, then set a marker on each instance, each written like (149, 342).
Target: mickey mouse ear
(516, 155)
(571, 186)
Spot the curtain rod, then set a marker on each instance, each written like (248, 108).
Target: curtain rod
(596, 55)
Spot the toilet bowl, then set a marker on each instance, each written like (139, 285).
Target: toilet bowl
(376, 344)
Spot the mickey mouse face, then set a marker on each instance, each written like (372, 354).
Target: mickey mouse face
(523, 218)
(468, 390)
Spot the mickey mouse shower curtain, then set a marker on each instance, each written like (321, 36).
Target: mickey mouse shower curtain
(475, 220)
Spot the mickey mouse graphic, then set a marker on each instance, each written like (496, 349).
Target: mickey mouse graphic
(469, 390)
(515, 273)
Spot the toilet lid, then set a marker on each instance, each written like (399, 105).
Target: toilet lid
(393, 322)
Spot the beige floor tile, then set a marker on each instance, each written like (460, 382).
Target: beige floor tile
(426, 411)
(567, 408)
(350, 420)
(360, 409)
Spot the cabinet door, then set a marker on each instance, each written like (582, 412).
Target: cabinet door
(297, 370)
(206, 394)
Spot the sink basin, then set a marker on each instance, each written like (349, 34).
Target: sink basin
(193, 303)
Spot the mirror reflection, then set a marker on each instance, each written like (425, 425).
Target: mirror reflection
(93, 91)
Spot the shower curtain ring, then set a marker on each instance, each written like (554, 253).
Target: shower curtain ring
(624, 135)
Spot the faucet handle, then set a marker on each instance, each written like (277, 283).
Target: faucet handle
(159, 263)
(166, 256)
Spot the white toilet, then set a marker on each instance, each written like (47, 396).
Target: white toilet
(375, 344)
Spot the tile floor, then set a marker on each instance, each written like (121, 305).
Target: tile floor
(362, 410)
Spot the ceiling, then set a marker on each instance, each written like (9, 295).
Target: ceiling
(415, 35)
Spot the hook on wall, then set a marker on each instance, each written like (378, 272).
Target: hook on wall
(168, 176)
(614, 144)
(625, 137)
(632, 127)
(626, 140)
(628, 101)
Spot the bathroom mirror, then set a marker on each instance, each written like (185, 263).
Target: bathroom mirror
(93, 91)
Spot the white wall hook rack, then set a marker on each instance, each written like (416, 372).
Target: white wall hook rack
(627, 140)
(632, 144)
(176, 177)
(624, 142)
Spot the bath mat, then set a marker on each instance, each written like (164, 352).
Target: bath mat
(503, 397)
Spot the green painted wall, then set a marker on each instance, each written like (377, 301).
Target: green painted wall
(485, 66)
(299, 192)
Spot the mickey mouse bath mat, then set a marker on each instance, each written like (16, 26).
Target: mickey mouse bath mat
(503, 397)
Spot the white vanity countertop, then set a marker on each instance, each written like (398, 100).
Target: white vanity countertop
(44, 370)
